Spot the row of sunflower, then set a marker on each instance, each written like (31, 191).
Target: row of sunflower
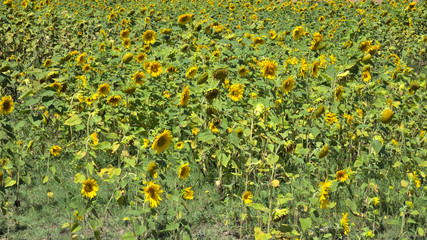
(265, 100)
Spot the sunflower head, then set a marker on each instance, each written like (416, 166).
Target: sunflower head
(103, 90)
(387, 116)
(55, 150)
(184, 19)
(288, 85)
(149, 37)
(89, 188)
(127, 58)
(154, 68)
(152, 169)
(269, 69)
(179, 145)
(184, 171)
(243, 71)
(315, 68)
(162, 141)
(236, 91)
(125, 33)
(187, 193)
(114, 100)
(341, 176)
(185, 95)
(247, 197)
(220, 74)
(6, 105)
(203, 78)
(191, 73)
(324, 151)
(211, 111)
(138, 78)
(212, 93)
(152, 194)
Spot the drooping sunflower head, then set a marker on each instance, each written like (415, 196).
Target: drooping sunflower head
(236, 92)
(184, 19)
(81, 59)
(211, 111)
(366, 76)
(243, 71)
(387, 116)
(288, 85)
(315, 68)
(114, 100)
(6, 105)
(162, 141)
(89, 188)
(152, 194)
(152, 169)
(47, 63)
(247, 197)
(149, 37)
(338, 92)
(191, 73)
(212, 93)
(184, 171)
(103, 90)
(331, 118)
(138, 78)
(220, 74)
(184, 97)
(127, 58)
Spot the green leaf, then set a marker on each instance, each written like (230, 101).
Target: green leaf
(420, 231)
(259, 206)
(73, 120)
(171, 227)
(79, 178)
(8, 182)
(272, 159)
(76, 227)
(377, 145)
(128, 236)
(104, 146)
(305, 223)
(206, 136)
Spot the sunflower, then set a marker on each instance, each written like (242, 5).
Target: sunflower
(81, 59)
(331, 118)
(191, 73)
(55, 150)
(288, 85)
(114, 100)
(152, 169)
(338, 92)
(247, 197)
(94, 138)
(179, 145)
(141, 57)
(243, 71)
(124, 33)
(185, 95)
(236, 92)
(188, 193)
(162, 141)
(304, 67)
(152, 193)
(184, 171)
(298, 32)
(103, 90)
(269, 69)
(57, 86)
(47, 63)
(315, 68)
(127, 58)
(126, 42)
(366, 76)
(272, 34)
(6, 105)
(89, 188)
(341, 176)
(344, 223)
(137, 77)
(184, 19)
(154, 68)
(149, 37)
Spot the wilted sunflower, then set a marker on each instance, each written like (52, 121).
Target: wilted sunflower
(247, 197)
(269, 69)
(6, 105)
(185, 95)
(141, 57)
(236, 91)
(288, 85)
(154, 68)
(114, 100)
(341, 176)
(89, 188)
(315, 68)
(338, 92)
(152, 169)
(212, 93)
(162, 141)
(184, 19)
(298, 32)
(191, 73)
(55, 150)
(187, 193)
(184, 171)
(149, 37)
(152, 193)
(103, 90)
(138, 76)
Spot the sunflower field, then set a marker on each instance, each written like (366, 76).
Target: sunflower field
(217, 119)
